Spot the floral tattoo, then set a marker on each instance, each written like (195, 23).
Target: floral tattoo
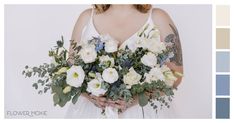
(174, 45)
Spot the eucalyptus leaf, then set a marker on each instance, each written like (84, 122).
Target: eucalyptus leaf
(35, 85)
(56, 99)
(75, 98)
(143, 99)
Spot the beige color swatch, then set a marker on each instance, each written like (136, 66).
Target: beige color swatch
(222, 38)
(222, 15)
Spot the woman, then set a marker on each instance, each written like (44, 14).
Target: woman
(122, 23)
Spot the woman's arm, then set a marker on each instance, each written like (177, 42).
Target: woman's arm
(169, 34)
(77, 31)
(76, 37)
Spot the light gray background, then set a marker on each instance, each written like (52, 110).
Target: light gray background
(31, 30)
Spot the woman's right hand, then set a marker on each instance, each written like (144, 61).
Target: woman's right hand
(98, 101)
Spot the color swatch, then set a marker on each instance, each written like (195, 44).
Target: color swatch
(222, 108)
(222, 62)
(222, 38)
(222, 15)
(222, 85)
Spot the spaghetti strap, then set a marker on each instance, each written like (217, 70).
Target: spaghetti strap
(150, 20)
(92, 13)
(150, 14)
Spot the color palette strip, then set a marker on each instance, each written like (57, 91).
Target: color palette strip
(222, 62)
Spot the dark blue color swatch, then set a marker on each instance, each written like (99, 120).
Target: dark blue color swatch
(222, 108)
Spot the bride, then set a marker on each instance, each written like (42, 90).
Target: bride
(122, 23)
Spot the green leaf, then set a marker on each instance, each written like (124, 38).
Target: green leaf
(35, 85)
(56, 99)
(143, 99)
(56, 89)
(75, 98)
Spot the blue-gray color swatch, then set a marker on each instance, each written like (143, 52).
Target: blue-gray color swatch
(223, 85)
(222, 108)
(222, 61)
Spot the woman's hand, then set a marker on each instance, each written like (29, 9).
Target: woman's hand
(122, 105)
(98, 101)
(178, 72)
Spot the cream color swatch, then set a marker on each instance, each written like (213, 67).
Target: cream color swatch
(222, 15)
(222, 38)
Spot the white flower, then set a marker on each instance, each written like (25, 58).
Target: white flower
(155, 74)
(75, 76)
(149, 59)
(155, 46)
(131, 78)
(110, 75)
(106, 60)
(95, 88)
(155, 34)
(62, 70)
(169, 76)
(111, 46)
(135, 43)
(67, 89)
(88, 53)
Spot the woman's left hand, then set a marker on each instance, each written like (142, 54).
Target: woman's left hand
(121, 104)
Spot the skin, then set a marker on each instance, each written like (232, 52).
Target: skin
(130, 20)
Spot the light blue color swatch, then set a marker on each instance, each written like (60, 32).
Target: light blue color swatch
(222, 61)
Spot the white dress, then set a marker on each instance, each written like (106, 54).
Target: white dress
(84, 109)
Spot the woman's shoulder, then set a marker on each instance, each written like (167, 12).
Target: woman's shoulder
(84, 16)
(160, 16)
(81, 22)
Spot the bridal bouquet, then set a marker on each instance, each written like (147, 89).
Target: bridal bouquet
(101, 68)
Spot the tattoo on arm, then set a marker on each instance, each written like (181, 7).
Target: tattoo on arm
(174, 45)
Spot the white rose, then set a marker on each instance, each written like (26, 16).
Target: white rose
(155, 34)
(88, 53)
(135, 43)
(149, 59)
(169, 76)
(155, 46)
(105, 59)
(67, 89)
(95, 88)
(155, 74)
(75, 76)
(110, 75)
(131, 78)
(111, 46)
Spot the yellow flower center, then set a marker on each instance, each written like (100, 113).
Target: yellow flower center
(75, 75)
(111, 72)
(97, 85)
